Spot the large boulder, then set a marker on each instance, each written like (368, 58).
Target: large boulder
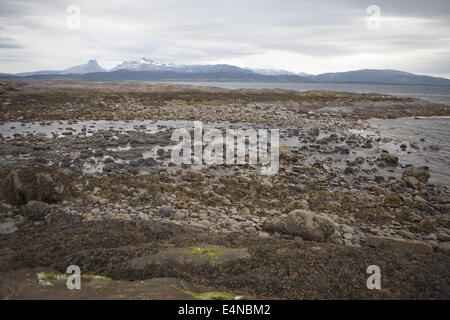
(422, 174)
(45, 184)
(303, 223)
(36, 210)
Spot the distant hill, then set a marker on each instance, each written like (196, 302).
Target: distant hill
(380, 76)
(127, 75)
(91, 66)
(148, 70)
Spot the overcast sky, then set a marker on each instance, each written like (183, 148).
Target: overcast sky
(302, 36)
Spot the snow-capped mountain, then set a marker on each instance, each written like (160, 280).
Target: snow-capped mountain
(145, 64)
(148, 70)
(279, 72)
(272, 72)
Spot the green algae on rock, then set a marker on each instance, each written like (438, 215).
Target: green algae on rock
(211, 295)
(212, 253)
(62, 276)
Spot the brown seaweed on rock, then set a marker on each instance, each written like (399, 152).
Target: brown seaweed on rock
(41, 183)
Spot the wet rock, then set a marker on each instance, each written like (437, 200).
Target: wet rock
(98, 153)
(444, 248)
(342, 150)
(7, 228)
(411, 182)
(314, 132)
(36, 210)
(303, 223)
(93, 198)
(389, 158)
(406, 234)
(392, 200)
(359, 160)
(434, 147)
(366, 145)
(108, 167)
(351, 170)
(206, 223)
(297, 204)
(443, 235)
(62, 217)
(166, 213)
(45, 184)
(422, 174)
(398, 244)
(305, 169)
(194, 229)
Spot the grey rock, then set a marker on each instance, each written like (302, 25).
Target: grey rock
(166, 213)
(303, 223)
(444, 248)
(36, 210)
(7, 228)
(63, 217)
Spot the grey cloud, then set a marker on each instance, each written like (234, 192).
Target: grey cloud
(6, 45)
(200, 30)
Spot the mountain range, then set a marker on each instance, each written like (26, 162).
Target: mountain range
(148, 70)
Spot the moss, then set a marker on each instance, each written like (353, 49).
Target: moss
(63, 276)
(211, 295)
(211, 253)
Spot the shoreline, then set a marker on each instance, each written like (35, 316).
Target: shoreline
(140, 218)
(109, 101)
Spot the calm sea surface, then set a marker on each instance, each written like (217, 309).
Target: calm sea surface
(439, 94)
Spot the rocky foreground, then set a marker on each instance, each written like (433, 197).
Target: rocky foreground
(93, 198)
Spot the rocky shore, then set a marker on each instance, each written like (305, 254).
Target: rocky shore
(87, 179)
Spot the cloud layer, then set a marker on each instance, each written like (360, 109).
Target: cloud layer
(300, 36)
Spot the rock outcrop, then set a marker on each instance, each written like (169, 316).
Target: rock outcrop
(398, 244)
(303, 223)
(45, 184)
